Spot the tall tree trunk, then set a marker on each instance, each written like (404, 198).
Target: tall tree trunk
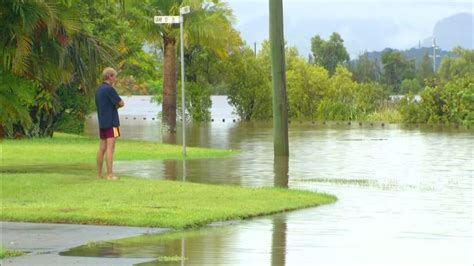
(169, 85)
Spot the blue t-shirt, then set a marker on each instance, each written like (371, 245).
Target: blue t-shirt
(106, 100)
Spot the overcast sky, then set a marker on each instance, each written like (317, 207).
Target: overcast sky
(411, 20)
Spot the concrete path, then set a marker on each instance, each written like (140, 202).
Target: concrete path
(43, 242)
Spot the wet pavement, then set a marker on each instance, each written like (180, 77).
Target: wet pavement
(43, 242)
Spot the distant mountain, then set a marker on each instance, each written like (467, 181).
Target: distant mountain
(456, 30)
(358, 34)
(413, 53)
(363, 25)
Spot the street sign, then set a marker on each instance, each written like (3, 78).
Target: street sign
(184, 10)
(166, 19)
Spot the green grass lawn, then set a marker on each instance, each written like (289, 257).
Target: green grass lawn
(54, 180)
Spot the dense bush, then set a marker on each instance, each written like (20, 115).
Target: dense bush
(345, 99)
(410, 85)
(452, 102)
(73, 108)
(306, 85)
(249, 86)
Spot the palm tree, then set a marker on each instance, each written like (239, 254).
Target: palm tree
(43, 41)
(15, 95)
(209, 24)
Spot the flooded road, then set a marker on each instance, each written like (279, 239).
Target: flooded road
(405, 195)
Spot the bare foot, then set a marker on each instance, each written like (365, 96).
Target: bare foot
(99, 177)
(112, 177)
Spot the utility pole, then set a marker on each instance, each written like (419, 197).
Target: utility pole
(434, 55)
(280, 103)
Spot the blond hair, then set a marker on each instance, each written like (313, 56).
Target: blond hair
(108, 72)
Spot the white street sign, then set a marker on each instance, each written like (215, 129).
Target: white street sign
(184, 10)
(166, 19)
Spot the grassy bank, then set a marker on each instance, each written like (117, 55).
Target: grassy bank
(53, 180)
(63, 198)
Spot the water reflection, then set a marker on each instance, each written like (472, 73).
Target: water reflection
(279, 241)
(174, 170)
(219, 244)
(169, 138)
(184, 169)
(170, 169)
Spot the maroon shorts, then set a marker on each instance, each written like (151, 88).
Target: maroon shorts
(107, 133)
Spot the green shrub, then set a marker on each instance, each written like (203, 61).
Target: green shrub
(452, 102)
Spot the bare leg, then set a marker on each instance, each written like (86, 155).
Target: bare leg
(109, 157)
(100, 157)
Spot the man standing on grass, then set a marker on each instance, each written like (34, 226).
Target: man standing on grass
(107, 102)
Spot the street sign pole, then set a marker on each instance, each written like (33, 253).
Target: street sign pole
(175, 20)
(183, 109)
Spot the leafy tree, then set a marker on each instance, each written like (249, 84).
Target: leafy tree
(450, 99)
(396, 68)
(198, 101)
(139, 69)
(205, 72)
(452, 102)
(411, 110)
(459, 66)
(370, 97)
(425, 71)
(329, 53)
(340, 98)
(16, 96)
(366, 70)
(249, 81)
(209, 24)
(410, 85)
(311, 93)
(73, 108)
(306, 85)
(45, 42)
(345, 99)
(136, 67)
(249, 85)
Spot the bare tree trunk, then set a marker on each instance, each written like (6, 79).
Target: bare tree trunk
(169, 85)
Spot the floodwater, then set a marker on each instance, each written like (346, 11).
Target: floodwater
(405, 195)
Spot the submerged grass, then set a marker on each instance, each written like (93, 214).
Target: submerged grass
(390, 115)
(340, 181)
(170, 258)
(4, 253)
(53, 180)
(66, 148)
(389, 185)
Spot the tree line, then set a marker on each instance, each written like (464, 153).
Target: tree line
(53, 50)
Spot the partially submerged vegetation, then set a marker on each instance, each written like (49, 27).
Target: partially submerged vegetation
(6, 253)
(72, 149)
